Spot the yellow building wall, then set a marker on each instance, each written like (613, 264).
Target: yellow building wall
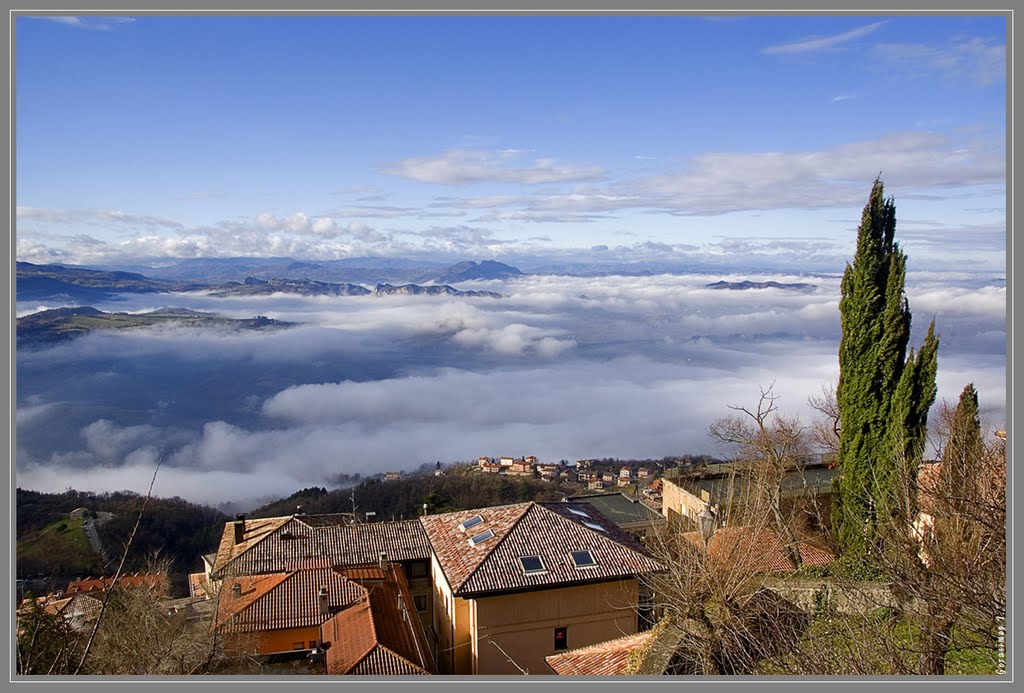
(452, 625)
(521, 627)
(677, 502)
(270, 642)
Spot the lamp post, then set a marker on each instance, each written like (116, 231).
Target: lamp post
(706, 523)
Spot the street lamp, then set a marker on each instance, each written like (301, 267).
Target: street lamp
(706, 523)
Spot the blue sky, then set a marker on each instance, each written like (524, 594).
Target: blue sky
(753, 140)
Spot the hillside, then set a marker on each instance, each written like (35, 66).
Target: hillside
(180, 530)
(61, 324)
(61, 548)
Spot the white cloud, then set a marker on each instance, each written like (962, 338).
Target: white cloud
(808, 45)
(564, 367)
(460, 167)
(91, 22)
(977, 60)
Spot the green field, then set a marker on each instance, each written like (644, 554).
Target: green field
(59, 549)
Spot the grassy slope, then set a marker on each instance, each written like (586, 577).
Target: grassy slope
(60, 548)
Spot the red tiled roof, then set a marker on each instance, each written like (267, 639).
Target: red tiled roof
(381, 634)
(758, 550)
(256, 530)
(148, 580)
(283, 600)
(548, 530)
(291, 543)
(603, 659)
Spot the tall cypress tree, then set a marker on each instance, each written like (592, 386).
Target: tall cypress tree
(883, 397)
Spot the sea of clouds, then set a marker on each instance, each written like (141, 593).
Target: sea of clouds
(562, 368)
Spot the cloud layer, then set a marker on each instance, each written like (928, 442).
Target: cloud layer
(564, 368)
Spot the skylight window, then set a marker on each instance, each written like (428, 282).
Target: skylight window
(480, 538)
(599, 528)
(531, 564)
(583, 559)
(574, 511)
(471, 522)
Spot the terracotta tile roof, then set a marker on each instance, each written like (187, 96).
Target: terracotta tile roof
(256, 530)
(603, 659)
(758, 550)
(290, 543)
(547, 530)
(381, 634)
(91, 584)
(283, 600)
(198, 586)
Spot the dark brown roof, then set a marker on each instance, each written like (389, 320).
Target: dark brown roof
(291, 543)
(603, 659)
(758, 550)
(381, 634)
(283, 600)
(547, 530)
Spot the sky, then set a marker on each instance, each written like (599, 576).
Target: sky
(754, 139)
(739, 148)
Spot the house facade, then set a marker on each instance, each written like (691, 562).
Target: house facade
(517, 583)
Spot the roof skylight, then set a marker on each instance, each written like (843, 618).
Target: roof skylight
(583, 559)
(531, 564)
(599, 528)
(471, 522)
(480, 538)
(574, 511)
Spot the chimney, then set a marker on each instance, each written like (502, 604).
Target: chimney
(325, 607)
(236, 590)
(239, 528)
(384, 562)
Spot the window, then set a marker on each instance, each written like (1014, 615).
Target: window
(300, 645)
(471, 522)
(482, 537)
(599, 528)
(418, 569)
(531, 564)
(562, 638)
(312, 644)
(420, 600)
(574, 511)
(583, 559)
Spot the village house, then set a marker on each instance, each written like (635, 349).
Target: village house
(622, 481)
(610, 658)
(521, 468)
(506, 461)
(289, 543)
(625, 473)
(149, 581)
(595, 484)
(392, 476)
(629, 514)
(643, 473)
(584, 464)
(274, 613)
(685, 495)
(758, 550)
(379, 634)
(516, 583)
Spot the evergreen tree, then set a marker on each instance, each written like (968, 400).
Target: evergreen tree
(883, 397)
(963, 451)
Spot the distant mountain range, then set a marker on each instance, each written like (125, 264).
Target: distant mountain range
(60, 283)
(368, 271)
(746, 285)
(62, 324)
